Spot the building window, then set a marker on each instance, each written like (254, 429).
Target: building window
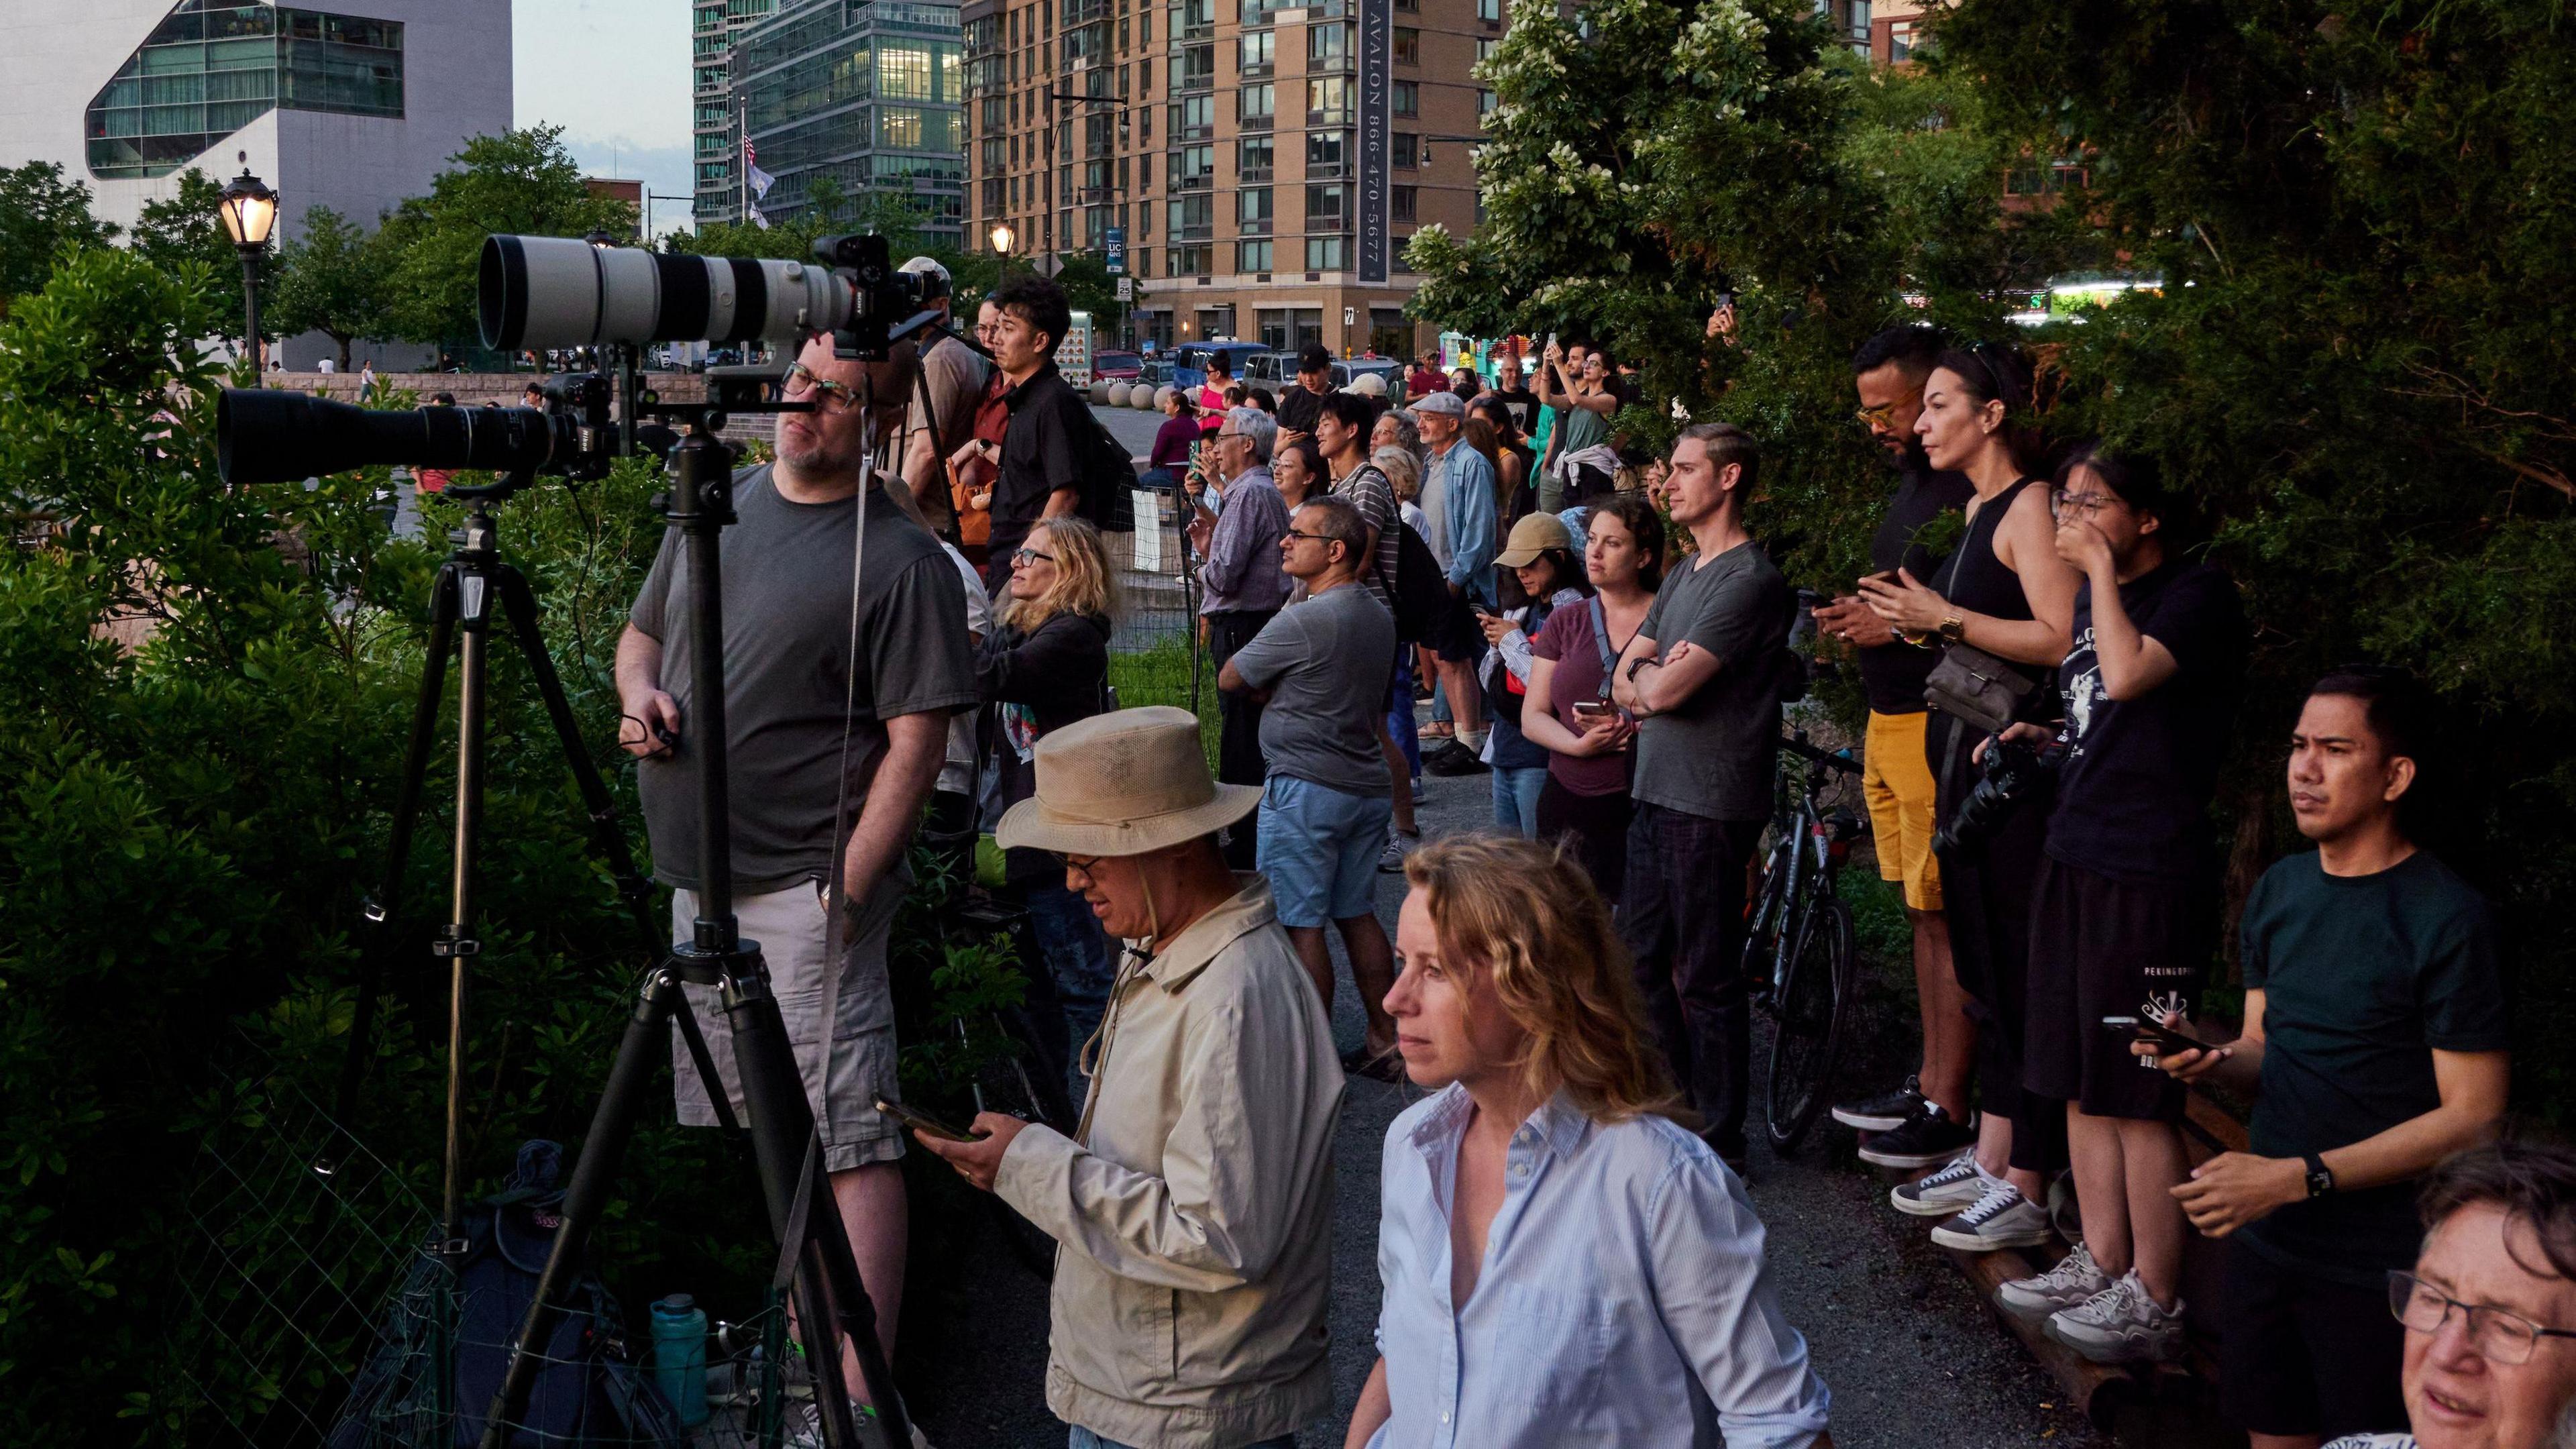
(1324, 253)
(1253, 256)
(1197, 17)
(1405, 98)
(1328, 47)
(1327, 207)
(1193, 166)
(1189, 261)
(1198, 68)
(1400, 202)
(1255, 105)
(1490, 11)
(1257, 51)
(1403, 150)
(1484, 104)
(205, 72)
(903, 73)
(1192, 217)
(1906, 41)
(1252, 158)
(1409, 7)
(1193, 116)
(1325, 151)
(1252, 210)
(1408, 45)
(1328, 100)
(1485, 48)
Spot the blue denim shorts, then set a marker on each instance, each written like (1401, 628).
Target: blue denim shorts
(1319, 847)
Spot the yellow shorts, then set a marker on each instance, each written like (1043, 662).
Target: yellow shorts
(1897, 782)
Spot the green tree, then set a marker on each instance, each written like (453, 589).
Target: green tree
(330, 280)
(41, 213)
(186, 226)
(520, 182)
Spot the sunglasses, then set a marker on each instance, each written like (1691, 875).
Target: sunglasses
(1884, 414)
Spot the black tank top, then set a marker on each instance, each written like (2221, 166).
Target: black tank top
(1977, 580)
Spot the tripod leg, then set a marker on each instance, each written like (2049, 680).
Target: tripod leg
(831, 1298)
(603, 1150)
(387, 906)
(519, 606)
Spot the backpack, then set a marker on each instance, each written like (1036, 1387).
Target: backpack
(1108, 481)
(1420, 590)
(587, 1394)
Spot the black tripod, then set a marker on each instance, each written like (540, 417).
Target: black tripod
(473, 580)
(814, 1247)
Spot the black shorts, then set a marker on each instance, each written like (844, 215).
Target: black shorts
(2102, 947)
(2305, 1355)
(1459, 639)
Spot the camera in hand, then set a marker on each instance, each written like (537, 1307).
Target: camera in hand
(2012, 776)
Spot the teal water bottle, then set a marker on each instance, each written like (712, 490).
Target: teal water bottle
(680, 1355)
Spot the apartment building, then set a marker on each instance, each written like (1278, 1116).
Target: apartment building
(1263, 162)
(715, 126)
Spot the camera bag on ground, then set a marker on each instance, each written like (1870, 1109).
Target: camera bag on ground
(586, 1394)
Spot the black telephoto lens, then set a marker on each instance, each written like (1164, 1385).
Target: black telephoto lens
(265, 436)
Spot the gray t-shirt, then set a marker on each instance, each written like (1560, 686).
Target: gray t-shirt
(787, 654)
(956, 378)
(1712, 756)
(1326, 662)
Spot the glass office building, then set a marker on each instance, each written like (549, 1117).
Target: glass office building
(867, 95)
(210, 68)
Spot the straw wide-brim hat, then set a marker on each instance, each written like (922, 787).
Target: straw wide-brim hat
(1123, 783)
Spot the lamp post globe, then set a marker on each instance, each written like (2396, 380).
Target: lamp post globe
(247, 207)
(1001, 236)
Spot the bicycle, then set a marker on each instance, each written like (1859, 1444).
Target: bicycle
(1800, 961)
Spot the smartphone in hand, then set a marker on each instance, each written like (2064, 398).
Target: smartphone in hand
(1592, 713)
(925, 1123)
(2168, 1042)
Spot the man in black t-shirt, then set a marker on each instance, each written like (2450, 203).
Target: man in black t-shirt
(2125, 912)
(1299, 408)
(1050, 429)
(1518, 400)
(1923, 1122)
(2375, 1044)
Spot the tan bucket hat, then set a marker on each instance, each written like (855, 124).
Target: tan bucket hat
(1123, 783)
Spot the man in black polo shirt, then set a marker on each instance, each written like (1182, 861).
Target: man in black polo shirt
(1042, 449)
(1299, 408)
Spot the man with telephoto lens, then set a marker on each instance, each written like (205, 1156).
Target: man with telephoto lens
(812, 748)
(1050, 430)
(953, 377)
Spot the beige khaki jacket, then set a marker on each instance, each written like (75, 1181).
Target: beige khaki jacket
(1194, 1216)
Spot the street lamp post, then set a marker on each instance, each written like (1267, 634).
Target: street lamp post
(248, 209)
(1001, 237)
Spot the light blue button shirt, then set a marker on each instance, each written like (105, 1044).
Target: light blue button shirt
(1623, 1298)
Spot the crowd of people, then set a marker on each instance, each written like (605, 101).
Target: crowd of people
(1567, 1249)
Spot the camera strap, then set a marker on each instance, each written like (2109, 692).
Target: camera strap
(840, 912)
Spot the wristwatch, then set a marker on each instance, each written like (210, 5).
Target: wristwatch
(1640, 662)
(2320, 1177)
(1952, 626)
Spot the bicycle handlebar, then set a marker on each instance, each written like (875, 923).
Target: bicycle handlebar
(1806, 751)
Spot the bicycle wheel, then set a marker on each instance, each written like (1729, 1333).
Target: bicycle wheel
(1807, 1021)
(1768, 907)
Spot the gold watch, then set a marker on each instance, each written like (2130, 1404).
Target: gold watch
(1953, 627)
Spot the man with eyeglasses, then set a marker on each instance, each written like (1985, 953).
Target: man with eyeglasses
(1925, 1120)
(796, 715)
(2490, 1308)
(1244, 587)
(2374, 1044)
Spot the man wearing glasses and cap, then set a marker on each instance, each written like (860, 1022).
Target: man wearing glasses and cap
(1194, 1200)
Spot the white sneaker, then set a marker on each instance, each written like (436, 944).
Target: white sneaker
(2121, 1324)
(2075, 1278)
(1399, 844)
(1951, 1188)
(2003, 1218)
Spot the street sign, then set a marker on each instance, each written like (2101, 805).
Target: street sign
(1126, 289)
(1047, 265)
(1113, 245)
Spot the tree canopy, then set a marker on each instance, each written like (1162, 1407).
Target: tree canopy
(521, 182)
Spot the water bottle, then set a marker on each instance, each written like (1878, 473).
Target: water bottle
(680, 1355)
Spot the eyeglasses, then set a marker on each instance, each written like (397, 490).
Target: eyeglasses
(2063, 505)
(836, 397)
(1083, 863)
(1309, 537)
(2499, 1336)
(1030, 555)
(1884, 414)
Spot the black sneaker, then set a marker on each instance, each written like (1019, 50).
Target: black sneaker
(1885, 1112)
(1927, 1137)
(1453, 758)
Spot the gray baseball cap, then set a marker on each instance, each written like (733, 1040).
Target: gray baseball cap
(1444, 402)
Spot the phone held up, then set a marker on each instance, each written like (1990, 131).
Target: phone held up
(2166, 1040)
(923, 1122)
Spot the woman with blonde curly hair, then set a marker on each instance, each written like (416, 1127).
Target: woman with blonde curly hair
(1046, 666)
(1561, 1260)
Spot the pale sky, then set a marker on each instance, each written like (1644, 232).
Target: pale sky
(615, 75)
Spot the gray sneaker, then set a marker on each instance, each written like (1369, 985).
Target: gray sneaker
(2003, 1218)
(1398, 846)
(2075, 1278)
(1951, 1188)
(2121, 1324)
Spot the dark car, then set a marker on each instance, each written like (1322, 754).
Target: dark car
(1116, 367)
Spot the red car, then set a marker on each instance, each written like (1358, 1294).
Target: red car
(1116, 366)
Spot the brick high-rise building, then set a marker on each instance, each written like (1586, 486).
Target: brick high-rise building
(1265, 162)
